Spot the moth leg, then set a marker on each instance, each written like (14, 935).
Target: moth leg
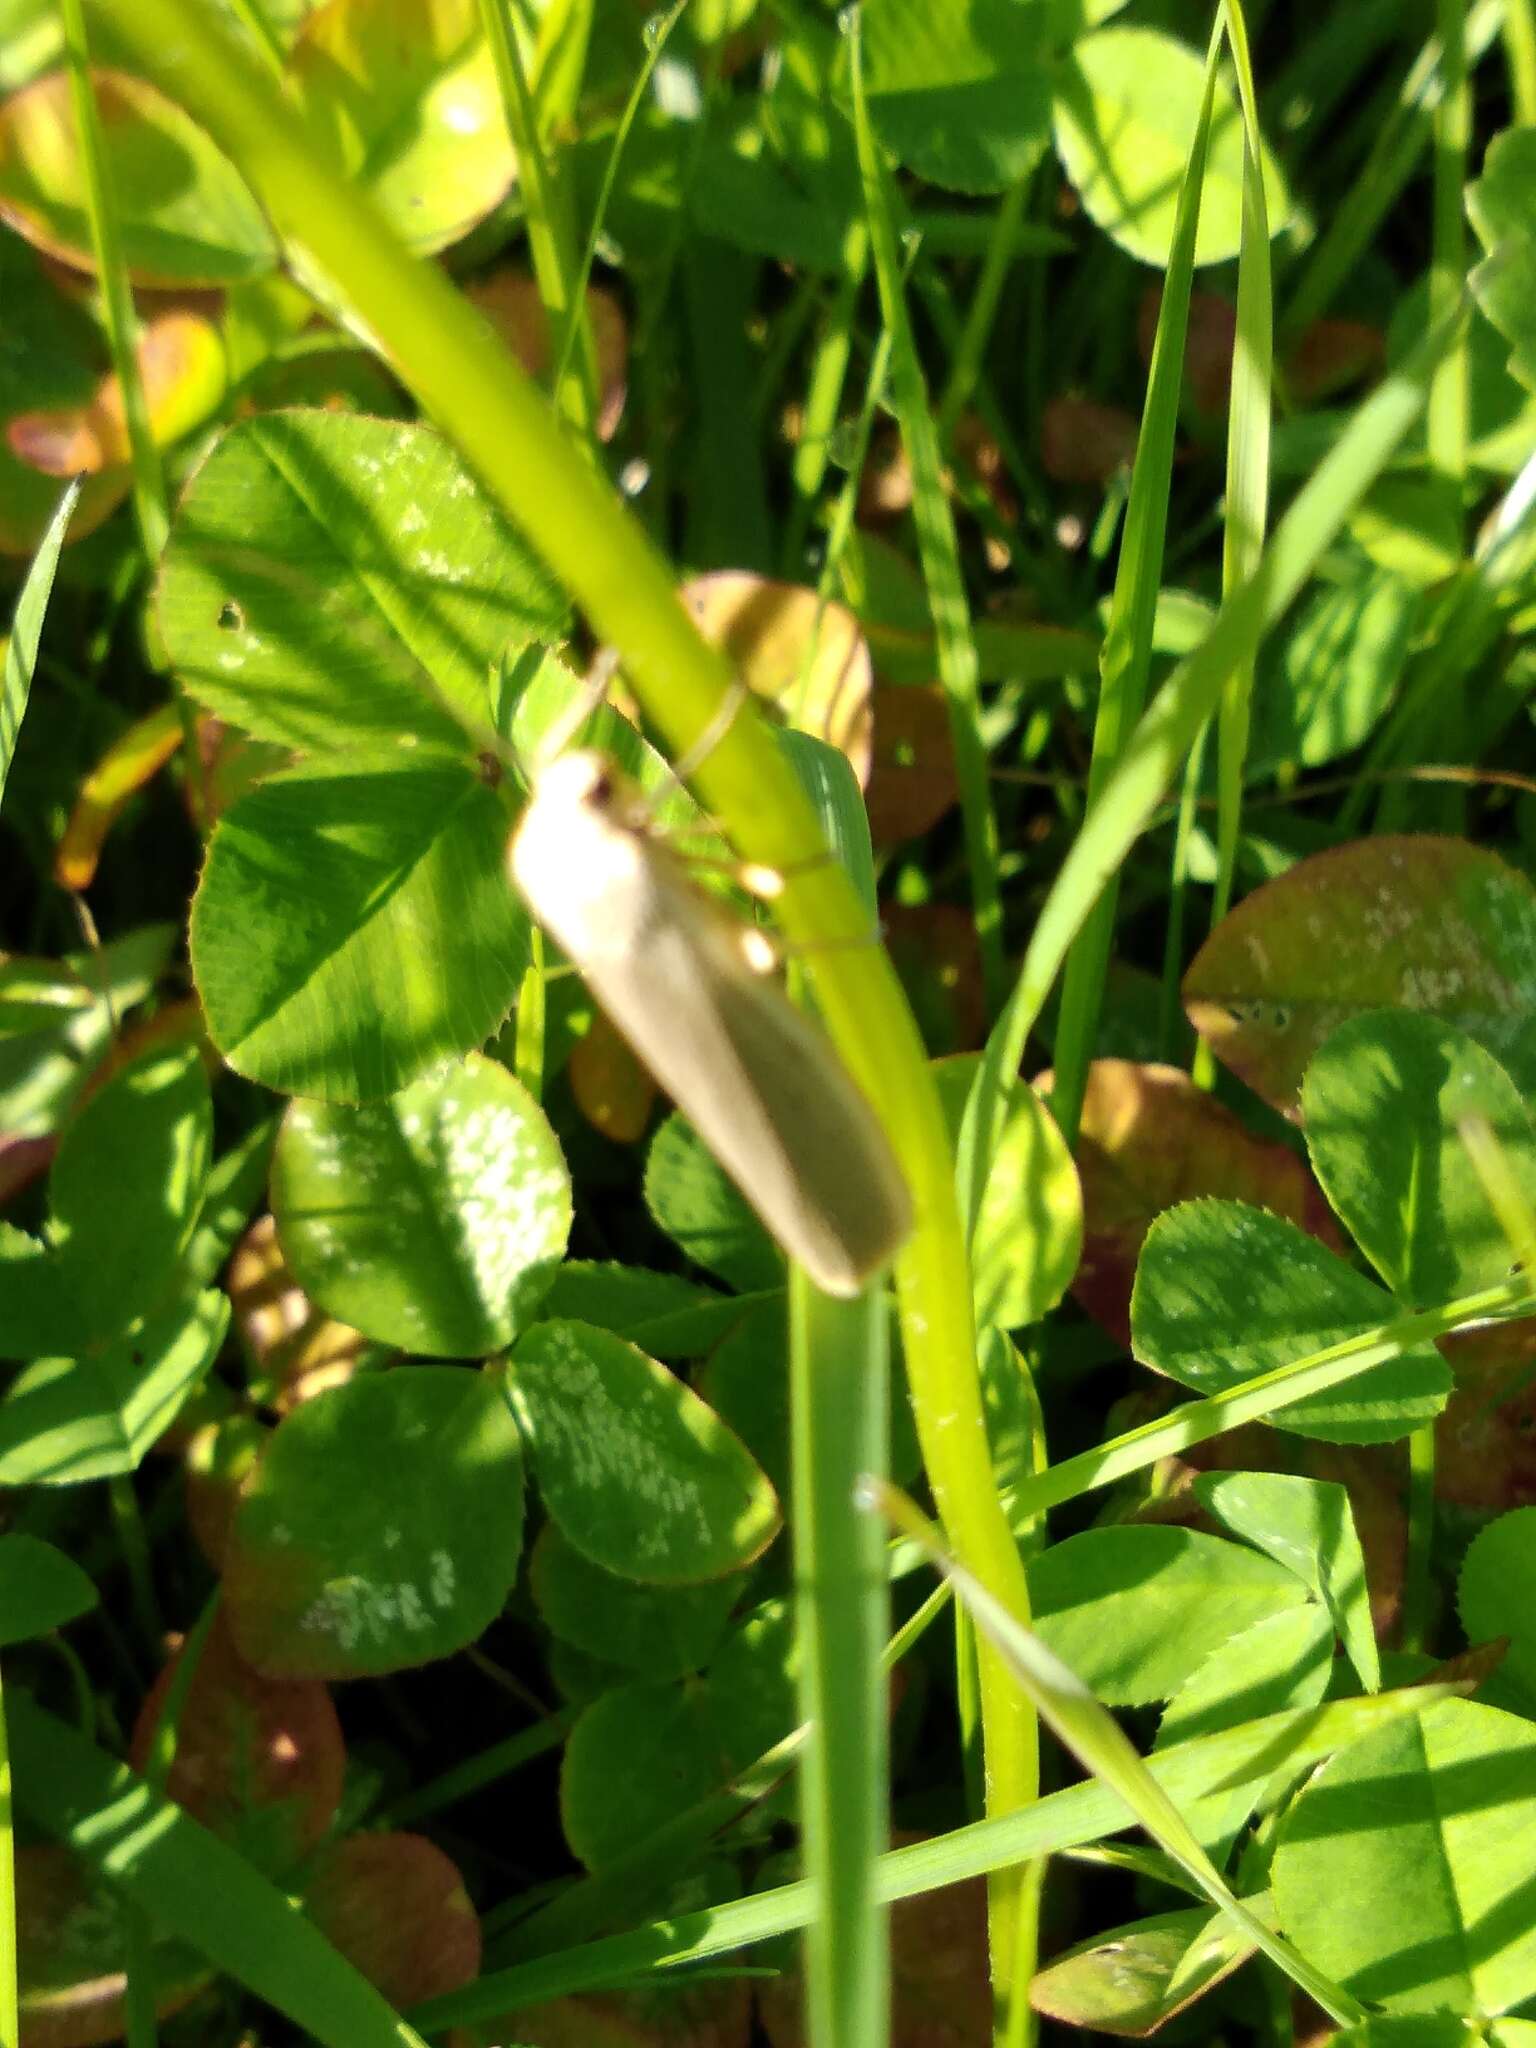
(760, 954)
(806, 865)
(766, 955)
(854, 941)
(756, 877)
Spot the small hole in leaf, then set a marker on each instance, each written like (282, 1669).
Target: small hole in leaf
(231, 617)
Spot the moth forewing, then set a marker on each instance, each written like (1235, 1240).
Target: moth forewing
(675, 970)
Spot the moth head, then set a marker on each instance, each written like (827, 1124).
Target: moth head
(581, 777)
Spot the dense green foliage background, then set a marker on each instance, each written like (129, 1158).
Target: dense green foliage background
(1095, 445)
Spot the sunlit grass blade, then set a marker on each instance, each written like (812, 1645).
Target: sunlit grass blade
(1291, 1741)
(1447, 415)
(839, 1378)
(1126, 660)
(1466, 630)
(196, 1887)
(576, 325)
(1170, 1016)
(1520, 56)
(26, 631)
(1196, 1422)
(252, 17)
(839, 1383)
(10, 2013)
(607, 1896)
(1418, 1540)
(560, 58)
(945, 1387)
(937, 543)
(1045, 564)
(138, 1934)
(1102, 1746)
(1168, 730)
(823, 396)
(464, 380)
(965, 366)
(1506, 1197)
(840, 525)
(1394, 155)
(547, 216)
(1439, 728)
(1246, 512)
(150, 502)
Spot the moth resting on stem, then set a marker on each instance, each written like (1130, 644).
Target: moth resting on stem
(687, 985)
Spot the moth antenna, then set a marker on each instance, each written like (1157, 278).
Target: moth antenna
(677, 772)
(720, 723)
(594, 688)
(756, 877)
